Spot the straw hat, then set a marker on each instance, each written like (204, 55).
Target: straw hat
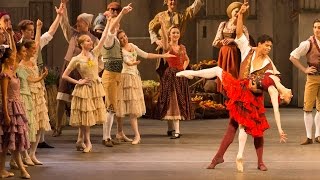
(234, 5)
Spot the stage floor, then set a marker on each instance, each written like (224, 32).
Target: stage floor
(159, 158)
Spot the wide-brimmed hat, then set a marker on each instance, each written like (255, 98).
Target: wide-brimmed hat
(234, 5)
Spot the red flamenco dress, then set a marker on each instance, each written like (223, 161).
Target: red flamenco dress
(245, 107)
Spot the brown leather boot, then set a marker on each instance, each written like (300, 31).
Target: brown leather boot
(317, 139)
(308, 141)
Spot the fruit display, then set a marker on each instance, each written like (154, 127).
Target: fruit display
(209, 104)
(197, 98)
(204, 64)
(150, 84)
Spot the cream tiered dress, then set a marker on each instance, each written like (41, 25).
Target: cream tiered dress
(37, 91)
(87, 105)
(131, 99)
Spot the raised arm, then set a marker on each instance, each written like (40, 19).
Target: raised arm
(38, 35)
(192, 10)
(54, 26)
(104, 36)
(165, 41)
(243, 9)
(64, 23)
(117, 20)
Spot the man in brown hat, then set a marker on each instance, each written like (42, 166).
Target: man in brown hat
(310, 49)
(172, 17)
(71, 34)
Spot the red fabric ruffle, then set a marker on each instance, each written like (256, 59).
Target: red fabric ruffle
(245, 107)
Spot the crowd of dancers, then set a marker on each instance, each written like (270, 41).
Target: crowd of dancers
(244, 71)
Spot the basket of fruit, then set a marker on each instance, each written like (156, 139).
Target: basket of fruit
(204, 64)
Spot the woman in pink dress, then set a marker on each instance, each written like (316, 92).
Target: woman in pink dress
(13, 120)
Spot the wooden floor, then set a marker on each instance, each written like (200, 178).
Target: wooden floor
(160, 158)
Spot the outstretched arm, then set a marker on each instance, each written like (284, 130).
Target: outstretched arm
(243, 9)
(117, 20)
(54, 26)
(64, 23)
(273, 92)
(104, 36)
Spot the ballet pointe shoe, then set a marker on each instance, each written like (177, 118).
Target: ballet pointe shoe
(136, 141)
(123, 138)
(239, 162)
(80, 146)
(36, 161)
(185, 73)
(28, 161)
(25, 175)
(214, 162)
(87, 149)
(6, 174)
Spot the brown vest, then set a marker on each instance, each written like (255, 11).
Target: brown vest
(245, 68)
(313, 55)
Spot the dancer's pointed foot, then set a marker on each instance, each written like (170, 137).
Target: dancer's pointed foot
(88, 148)
(5, 174)
(214, 162)
(25, 175)
(137, 140)
(262, 167)
(27, 161)
(35, 160)
(122, 137)
(185, 73)
(239, 162)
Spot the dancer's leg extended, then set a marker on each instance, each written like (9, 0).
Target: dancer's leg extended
(205, 73)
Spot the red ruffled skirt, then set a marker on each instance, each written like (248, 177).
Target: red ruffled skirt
(244, 106)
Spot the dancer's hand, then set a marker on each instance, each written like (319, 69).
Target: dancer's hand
(283, 136)
(44, 73)
(310, 70)
(244, 7)
(168, 55)
(226, 41)
(85, 81)
(136, 62)
(60, 10)
(126, 9)
(39, 23)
